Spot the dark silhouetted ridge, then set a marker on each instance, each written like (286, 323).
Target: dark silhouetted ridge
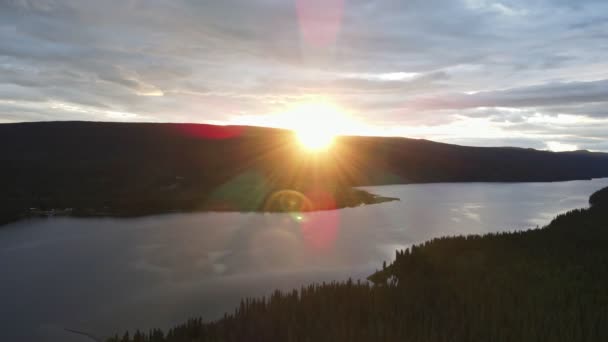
(129, 169)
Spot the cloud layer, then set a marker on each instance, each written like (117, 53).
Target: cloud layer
(479, 72)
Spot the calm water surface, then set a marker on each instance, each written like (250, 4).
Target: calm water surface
(107, 275)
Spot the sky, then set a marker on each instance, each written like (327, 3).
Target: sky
(526, 73)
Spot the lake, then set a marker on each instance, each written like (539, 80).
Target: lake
(105, 275)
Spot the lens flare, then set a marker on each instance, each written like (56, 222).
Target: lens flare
(204, 131)
(320, 21)
(289, 201)
(319, 229)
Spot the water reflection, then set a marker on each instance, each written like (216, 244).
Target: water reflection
(106, 275)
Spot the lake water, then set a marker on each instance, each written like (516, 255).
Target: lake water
(106, 275)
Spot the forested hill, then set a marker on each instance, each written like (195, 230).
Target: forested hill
(147, 168)
(540, 285)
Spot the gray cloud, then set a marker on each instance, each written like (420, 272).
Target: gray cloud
(202, 61)
(550, 94)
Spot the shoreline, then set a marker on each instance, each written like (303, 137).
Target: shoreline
(84, 334)
(369, 199)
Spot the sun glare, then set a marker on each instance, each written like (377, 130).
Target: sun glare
(315, 141)
(316, 124)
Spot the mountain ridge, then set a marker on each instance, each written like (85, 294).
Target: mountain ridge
(133, 169)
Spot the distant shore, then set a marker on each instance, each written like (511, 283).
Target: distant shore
(357, 198)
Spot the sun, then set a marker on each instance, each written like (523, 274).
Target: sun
(316, 124)
(315, 140)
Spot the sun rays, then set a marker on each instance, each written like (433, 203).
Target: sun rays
(316, 124)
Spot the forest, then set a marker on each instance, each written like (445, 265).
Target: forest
(133, 169)
(547, 284)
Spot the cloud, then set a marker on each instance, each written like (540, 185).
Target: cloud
(551, 94)
(393, 64)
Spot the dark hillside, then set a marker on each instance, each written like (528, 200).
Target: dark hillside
(146, 168)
